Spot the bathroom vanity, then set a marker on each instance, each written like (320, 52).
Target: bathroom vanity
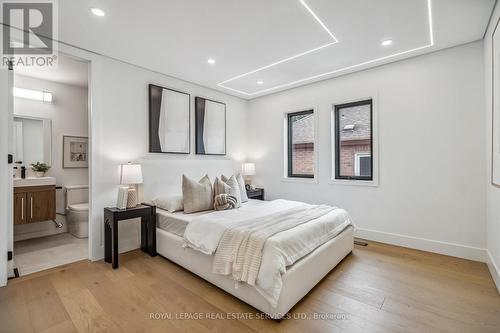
(34, 199)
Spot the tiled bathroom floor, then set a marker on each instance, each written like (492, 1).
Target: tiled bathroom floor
(37, 254)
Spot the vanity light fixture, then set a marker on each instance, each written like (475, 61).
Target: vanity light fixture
(97, 11)
(36, 95)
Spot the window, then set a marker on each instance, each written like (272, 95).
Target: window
(354, 141)
(300, 144)
(363, 165)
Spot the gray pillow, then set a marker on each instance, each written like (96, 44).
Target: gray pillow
(241, 183)
(234, 188)
(220, 187)
(198, 196)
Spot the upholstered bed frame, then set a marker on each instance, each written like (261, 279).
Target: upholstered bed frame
(299, 279)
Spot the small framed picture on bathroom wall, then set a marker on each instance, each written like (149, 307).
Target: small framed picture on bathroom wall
(75, 152)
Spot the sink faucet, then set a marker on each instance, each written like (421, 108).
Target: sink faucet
(17, 168)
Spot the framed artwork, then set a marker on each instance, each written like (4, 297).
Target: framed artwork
(495, 112)
(210, 118)
(169, 121)
(75, 152)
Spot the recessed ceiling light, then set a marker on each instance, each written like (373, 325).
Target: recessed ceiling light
(211, 61)
(260, 82)
(98, 12)
(387, 42)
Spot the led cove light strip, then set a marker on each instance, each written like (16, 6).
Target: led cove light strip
(431, 43)
(335, 40)
(318, 19)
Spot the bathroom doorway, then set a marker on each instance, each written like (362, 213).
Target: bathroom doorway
(50, 148)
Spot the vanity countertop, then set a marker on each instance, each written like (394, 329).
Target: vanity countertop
(34, 181)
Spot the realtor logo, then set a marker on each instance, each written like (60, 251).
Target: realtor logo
(28, 33)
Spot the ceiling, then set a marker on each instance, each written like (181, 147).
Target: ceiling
(283, 43)
(68, 71)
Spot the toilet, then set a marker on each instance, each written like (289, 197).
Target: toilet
(77, 210)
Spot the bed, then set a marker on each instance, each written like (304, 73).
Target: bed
(175, 231)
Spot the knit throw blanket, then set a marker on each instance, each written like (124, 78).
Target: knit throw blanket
(240, 249)
(224, 201)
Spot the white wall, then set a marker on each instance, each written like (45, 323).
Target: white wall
(119, 134)
(69, 116)
(431, 139)
(492, 192)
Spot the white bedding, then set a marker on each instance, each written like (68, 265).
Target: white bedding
(177, 222)
(204, 232)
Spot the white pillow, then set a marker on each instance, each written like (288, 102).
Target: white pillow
(198, 196)
(243, 190)
(173, 203)
(241, 183)
(228, 186)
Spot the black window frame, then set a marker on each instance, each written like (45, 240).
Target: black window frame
(290, 145)
(337, 110)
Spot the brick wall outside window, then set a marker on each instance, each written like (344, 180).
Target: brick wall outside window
(348, 154)
(303, 158)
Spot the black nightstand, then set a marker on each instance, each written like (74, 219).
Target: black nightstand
(257, 194)
(113, 215)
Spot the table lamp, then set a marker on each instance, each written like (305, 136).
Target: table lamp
(248, 170)
(131, 175)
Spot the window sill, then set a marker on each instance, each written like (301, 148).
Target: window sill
(351, 182)
(299, 180)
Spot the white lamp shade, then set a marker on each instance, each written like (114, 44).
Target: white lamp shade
(131, 174)
(248, 169)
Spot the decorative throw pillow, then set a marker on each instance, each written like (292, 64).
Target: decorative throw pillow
(221, 187)
(243, 190)
(234, 188)
(173, 203)
(198, 196)
(241, 183)
(224, 202)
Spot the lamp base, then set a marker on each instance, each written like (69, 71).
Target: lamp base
(132, 198)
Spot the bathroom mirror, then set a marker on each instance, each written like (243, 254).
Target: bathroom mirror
(32, 140)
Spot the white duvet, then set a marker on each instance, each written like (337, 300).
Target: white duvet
(280, 250)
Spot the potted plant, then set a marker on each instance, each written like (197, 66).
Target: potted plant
(39, 168)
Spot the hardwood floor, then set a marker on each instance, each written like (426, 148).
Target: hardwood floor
(379, 288)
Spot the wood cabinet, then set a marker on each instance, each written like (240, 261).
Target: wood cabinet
(34, 204)
(19, 208)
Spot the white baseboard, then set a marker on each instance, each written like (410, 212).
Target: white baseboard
(495, 272)
(449, 249)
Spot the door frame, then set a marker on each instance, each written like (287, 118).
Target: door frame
(6, 179)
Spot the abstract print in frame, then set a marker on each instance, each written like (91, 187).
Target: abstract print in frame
(75, 151)
(210, 118)
(169, 120)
